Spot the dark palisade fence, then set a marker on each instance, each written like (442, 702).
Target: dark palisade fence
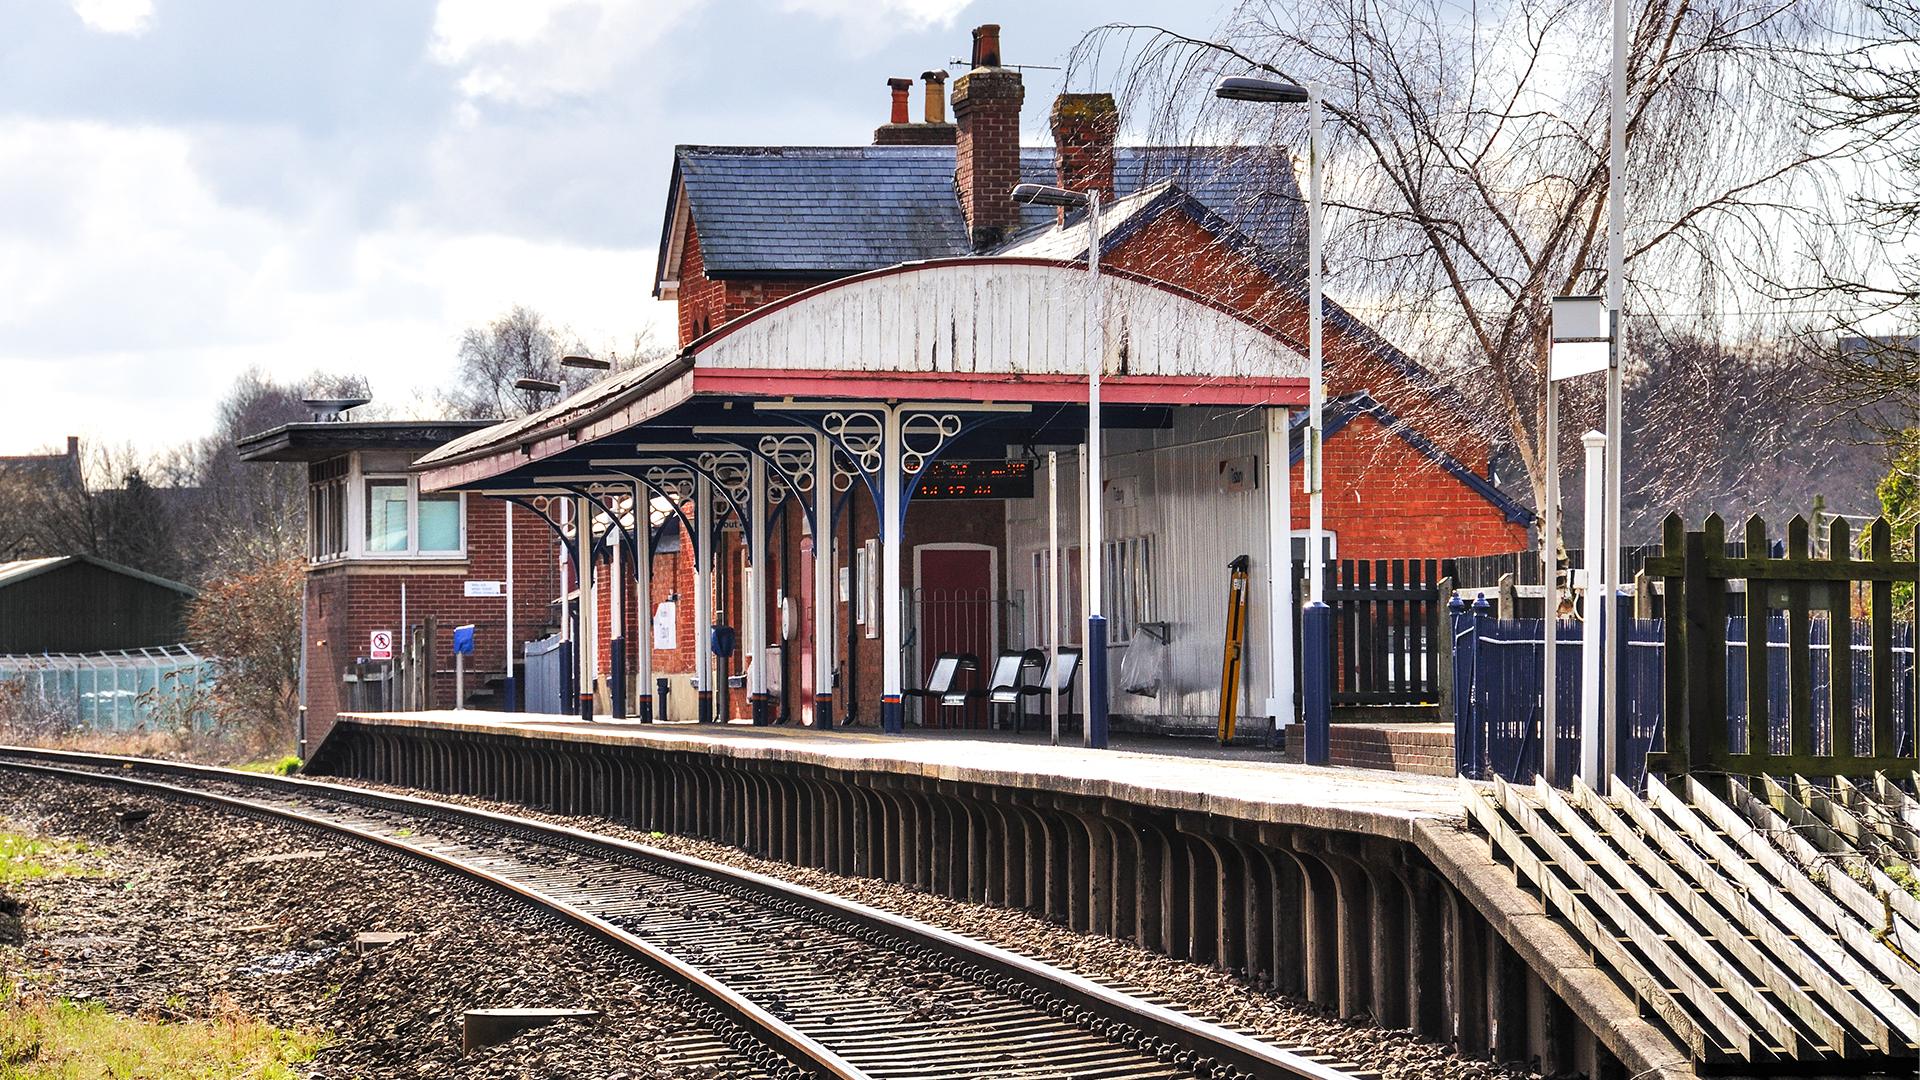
(1388, 620)
(1830, 695)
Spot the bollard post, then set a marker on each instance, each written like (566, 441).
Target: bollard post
(1460, 626)
(1482, 611)
(1095, 727)
(1316, 677)
(660, 690)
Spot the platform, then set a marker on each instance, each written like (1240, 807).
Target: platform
(1243, 783)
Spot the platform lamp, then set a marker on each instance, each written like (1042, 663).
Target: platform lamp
(1316, 622)
(585, 363)
(1093, 561)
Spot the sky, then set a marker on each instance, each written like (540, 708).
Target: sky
(189, 188)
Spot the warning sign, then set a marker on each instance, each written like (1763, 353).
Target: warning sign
(380, 645)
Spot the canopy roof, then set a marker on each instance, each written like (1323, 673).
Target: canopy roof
(989, 330)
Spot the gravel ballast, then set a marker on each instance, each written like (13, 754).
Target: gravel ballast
(185, 911)
(1396, 1054)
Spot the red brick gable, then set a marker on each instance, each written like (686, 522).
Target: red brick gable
(1173, 247)
(705, 302)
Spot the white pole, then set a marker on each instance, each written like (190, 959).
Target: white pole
(616, 606)
(755, 624)
(1093, 729)
(643, 599)
(1316, 390)
(892, 684)
(588, 645)
(507, 634)
(1053, 585)
(823, 606)
(1593, 629)
(1093, 559)
(1550, 594)
(1616, 291)
(1279, 568)
(703, 594)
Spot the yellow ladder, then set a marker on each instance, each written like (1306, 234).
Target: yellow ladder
(1235, 647)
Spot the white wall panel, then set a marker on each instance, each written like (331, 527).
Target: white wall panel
(1014, 318)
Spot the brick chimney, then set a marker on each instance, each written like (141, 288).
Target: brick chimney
(986, 110)
(898, 131)
(1083, 129)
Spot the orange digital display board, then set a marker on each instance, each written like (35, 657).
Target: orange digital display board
(963, 478)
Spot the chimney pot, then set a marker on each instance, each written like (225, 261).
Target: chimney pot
(899, 88)
(73, 446)
(986, 45)
(936, 96)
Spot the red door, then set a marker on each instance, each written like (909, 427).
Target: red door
(955, 610)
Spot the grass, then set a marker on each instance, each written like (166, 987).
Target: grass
(281, 766)
(63, 1040)
(27, 858)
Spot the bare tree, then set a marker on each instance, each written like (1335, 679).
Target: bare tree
(1871, 283)
(1467, 163)
(522, 345)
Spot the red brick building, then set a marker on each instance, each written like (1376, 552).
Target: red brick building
(882, 352)
(385, 556)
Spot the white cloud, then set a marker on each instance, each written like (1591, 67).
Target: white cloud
(115, 16)
(136, 295)
(530, 52)
(882, 18)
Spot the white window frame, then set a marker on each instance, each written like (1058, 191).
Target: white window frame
(359, 476)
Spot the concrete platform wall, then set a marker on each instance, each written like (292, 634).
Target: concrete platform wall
(1367, 926)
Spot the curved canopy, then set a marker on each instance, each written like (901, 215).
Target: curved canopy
(997, 316)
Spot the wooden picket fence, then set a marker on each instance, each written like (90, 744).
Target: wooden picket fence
(1697, 567)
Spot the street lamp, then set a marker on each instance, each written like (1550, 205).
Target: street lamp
(1316, 623)
(1092, 561)
(575, 360)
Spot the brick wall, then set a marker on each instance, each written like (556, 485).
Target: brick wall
(1426, 749)
(1174, 248)
(1385, 500)
(705, 302)
(346, 602)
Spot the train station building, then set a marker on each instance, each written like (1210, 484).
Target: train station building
(881, 388)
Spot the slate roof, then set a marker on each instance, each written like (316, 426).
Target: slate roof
(785, 211)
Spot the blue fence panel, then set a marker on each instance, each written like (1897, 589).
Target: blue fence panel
(546, 675)
(1499, 666)
(1497, 686)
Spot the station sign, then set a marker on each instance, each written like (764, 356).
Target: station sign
(976, 478)
(380, 645)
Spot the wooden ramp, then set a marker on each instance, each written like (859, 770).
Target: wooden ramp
(1770, 926)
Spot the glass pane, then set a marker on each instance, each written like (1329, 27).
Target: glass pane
(386, 515)
(439, 523)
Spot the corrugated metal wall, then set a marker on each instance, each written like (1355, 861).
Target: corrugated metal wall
(1169, 487)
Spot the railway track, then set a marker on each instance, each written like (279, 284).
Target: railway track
(794, 981)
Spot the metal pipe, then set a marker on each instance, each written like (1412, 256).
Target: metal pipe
(1093, 560)
(1316, 623)
(1279, 571)
(1593, 630)
(892, 688)
(1550, 576)
(703, 597)
(1053, 588)
(1616, 291)
(823, 562)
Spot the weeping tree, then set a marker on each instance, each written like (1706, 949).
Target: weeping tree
(1467, 173)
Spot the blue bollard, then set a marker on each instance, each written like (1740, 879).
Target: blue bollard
(1096, 718)
(1316, 674)
(617, 679)
(510, 694)
(893, 714)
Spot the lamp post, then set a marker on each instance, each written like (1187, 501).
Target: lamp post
(1316, 623)
(1093, 560)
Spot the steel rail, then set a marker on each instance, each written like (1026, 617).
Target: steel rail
(783, 1039)
(1205, 1047)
